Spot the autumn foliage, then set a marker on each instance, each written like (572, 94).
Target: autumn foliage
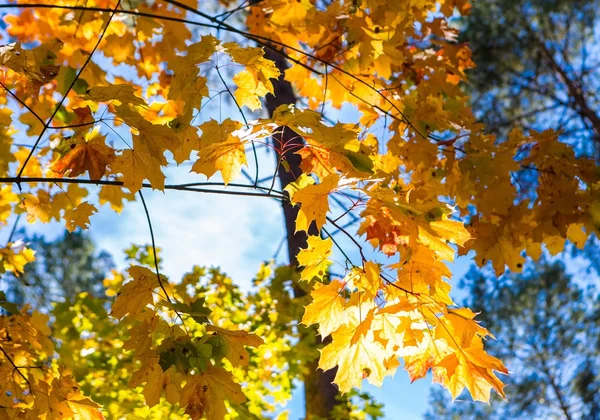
(98, 98)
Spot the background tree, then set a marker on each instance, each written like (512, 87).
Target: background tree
(537, 67)
(63, 268)
(549, 335)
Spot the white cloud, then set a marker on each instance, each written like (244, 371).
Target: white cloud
(235, 233)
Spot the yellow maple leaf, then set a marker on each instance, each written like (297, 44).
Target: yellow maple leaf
(327, 308)
(367, 280)
(201, 51)
(315, 258)
(124, 93)
(79, 216)
(314, 200)
(389, 321)
(14, 57)
(154, 385)
(33, 168)
(136, 294)
(253, 82)
(472, 369)
(248, 92)
(492, 244)
(114, 195)
(7, 200)
(205, 394)
(14, 259)
(227, 157)
(186, 85)
(137, 166)
(84, 408)
(37, 207)
(236, 340)
(445, 231)
(357, 359)
(149, 138)
(577, 235)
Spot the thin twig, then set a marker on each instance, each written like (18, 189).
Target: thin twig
(158, 277)
(17, 369)
(348, 260)
(59, 105)
(19, 100)
(345, 232)
(278, 195)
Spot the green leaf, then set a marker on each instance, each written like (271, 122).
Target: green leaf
(184, 355)
(9, 307)
(197, 310)
(65, 77)
(219, 346)
(360, 161)
(201, 361)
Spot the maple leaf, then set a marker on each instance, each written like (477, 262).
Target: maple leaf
(7, 199)
(124, 93)
(314, 200)
(201, 51)
(366, 280)
(114, 196)
(326, 308)
(187, 86)
(470, 369)
(577, 235)
(253, 82)
(220, 150)
(79, 216)
(389, 321)
(33, 168)
(357, 359)
(205, 394)
(136, 294)
(83, 118)
(91, 155)
(236, 340)
(14, 57)
(84, 408)
(14, 258)
(137, 166)
(335, 147)
(315, 258)
(37, 207)
(151, 139)
(491, 244)
(189, 142)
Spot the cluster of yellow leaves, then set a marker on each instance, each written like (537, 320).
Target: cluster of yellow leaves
(14, 257)
(33, 383)
(374, 320)
(101, 350)
(392, 62)
(182, 361)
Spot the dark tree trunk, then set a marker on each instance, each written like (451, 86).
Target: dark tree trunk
(319, 392)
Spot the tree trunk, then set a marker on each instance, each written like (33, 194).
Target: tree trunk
(319, 392)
